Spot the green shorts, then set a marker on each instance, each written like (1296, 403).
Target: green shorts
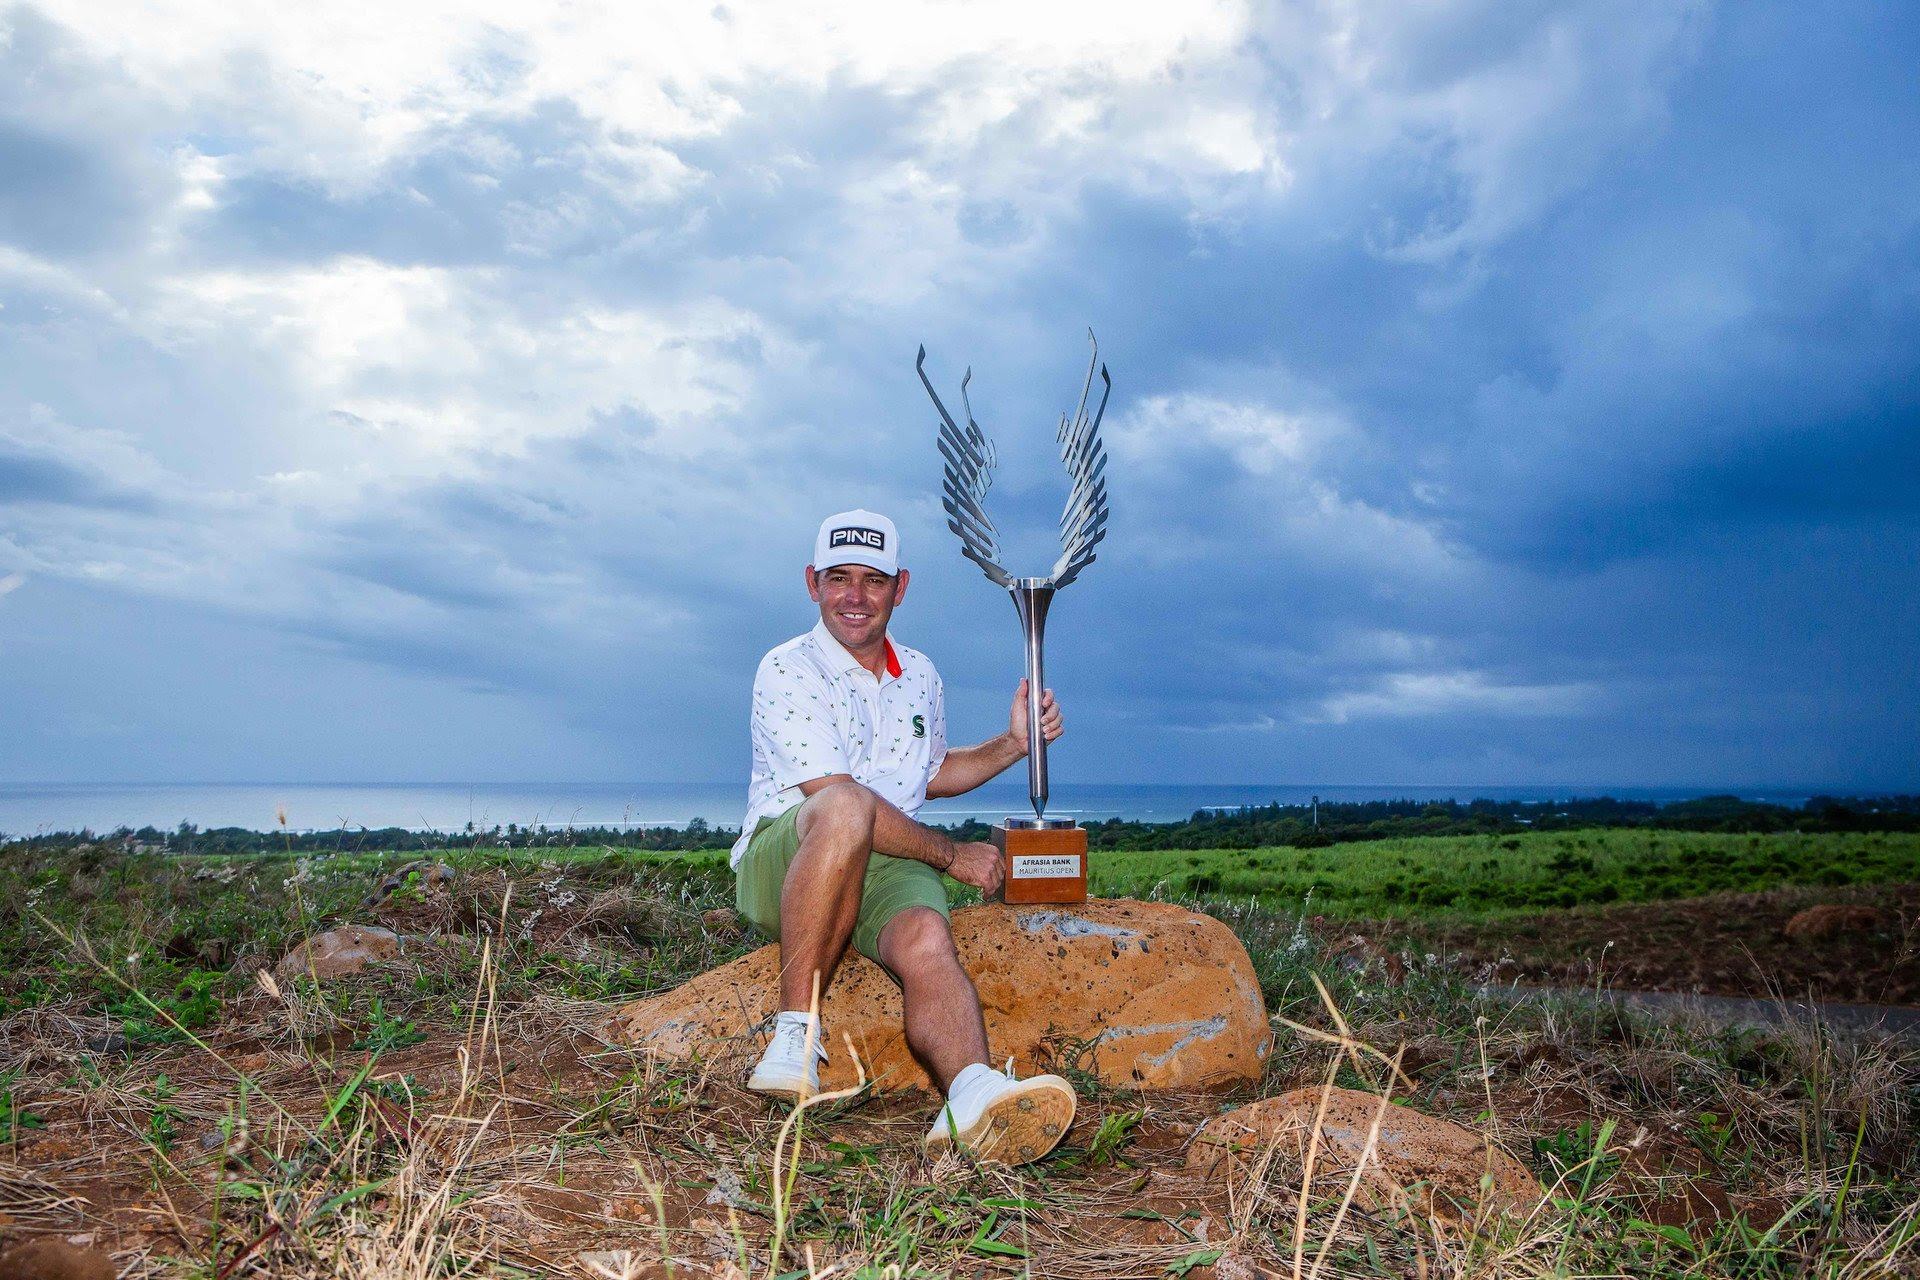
(892, 884)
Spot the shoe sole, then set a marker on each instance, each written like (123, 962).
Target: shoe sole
(1020, 1126)
(781, 1086)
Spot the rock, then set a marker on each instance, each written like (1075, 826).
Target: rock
(1360, 954)
(1234, 1265)
(1145, 995)
(626, 910)
(211, 953)
(338, 952)
(50, 1259)
(613, 1264)
(421, 874)
(1817, 924)
(1436, 1163)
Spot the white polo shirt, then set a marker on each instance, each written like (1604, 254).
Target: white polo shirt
(818, 712)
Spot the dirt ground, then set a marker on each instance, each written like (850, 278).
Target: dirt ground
(543, 1151)
(1733, 944)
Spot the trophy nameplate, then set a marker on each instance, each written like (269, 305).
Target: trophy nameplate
(1041, 860)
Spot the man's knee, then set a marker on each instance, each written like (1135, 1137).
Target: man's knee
(917, 938)
(845, 808)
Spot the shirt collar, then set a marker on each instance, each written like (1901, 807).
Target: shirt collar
(837, 653)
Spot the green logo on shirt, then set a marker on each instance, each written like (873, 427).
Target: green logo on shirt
(919, 726)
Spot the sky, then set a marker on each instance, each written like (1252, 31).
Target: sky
(1506, 392)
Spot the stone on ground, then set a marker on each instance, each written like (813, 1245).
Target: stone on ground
(1422, 1162)
(1817, 924)
(338, 952)
(1144, 995)
(423, 874)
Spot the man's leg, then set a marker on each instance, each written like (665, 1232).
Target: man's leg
(820, 898)
(993, 1115)
(944, 1024)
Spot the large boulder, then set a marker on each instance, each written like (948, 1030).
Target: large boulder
(1422, 1162)
(1145, 995)
(338, 952)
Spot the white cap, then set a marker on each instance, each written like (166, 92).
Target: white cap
(857, 537)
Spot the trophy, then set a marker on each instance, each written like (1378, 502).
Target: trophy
(1043, 859)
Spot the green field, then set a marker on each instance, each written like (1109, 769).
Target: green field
(1493, 875)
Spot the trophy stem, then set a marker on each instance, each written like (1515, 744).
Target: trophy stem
(1031, 596)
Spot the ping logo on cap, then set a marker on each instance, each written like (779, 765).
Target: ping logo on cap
(857, 537)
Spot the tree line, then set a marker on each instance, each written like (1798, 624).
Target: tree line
(1251, 827)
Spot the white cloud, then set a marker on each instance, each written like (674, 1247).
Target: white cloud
(1415, 695)
(429, 361)
(359, 84)
(1259, 439)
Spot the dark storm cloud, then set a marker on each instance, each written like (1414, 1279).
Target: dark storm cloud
(29, 478)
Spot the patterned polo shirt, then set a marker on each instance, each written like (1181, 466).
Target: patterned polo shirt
(818, 712)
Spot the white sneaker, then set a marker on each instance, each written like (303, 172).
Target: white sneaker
(1001, 1118)
(786, 1067)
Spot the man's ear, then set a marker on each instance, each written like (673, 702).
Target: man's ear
(813, 584)
(900, 587)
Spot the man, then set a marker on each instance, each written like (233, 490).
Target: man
(849, 738)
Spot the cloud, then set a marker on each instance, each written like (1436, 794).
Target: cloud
(1489, 378)
(1405, 694)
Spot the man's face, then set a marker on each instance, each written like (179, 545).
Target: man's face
(855, 602)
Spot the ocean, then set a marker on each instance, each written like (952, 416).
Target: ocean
(38, 809)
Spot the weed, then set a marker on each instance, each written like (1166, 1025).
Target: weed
(163, 1117)
(1574, 1153)
(1111, 1138)
(14, 1118)
(385, 1031)
(191, 1005)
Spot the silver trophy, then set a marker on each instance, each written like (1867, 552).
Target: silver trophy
(969, 473)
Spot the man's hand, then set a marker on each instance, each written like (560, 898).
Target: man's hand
(977, 864)
(1051, 726)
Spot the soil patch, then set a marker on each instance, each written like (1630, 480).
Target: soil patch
(1730, 944)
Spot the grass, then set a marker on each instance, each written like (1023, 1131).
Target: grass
(1492, 875)
(446, 1114)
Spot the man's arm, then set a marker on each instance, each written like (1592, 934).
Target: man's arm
(894, 833)
(967, 767)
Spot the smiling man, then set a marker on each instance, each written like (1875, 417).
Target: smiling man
(849, 739)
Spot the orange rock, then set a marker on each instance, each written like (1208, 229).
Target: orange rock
(1817, 924)
(1146, 994)
(338, 952)
(50, 1259)
(1431, 1165)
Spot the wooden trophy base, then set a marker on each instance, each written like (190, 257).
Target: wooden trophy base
(1042, 860)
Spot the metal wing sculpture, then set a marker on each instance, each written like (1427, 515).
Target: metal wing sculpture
(1084, 521)
(968, 475)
